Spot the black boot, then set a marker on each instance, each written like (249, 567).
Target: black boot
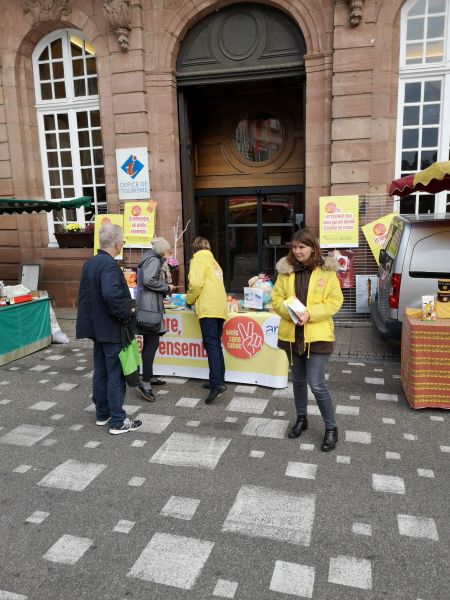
(330, 440)
(300, 425)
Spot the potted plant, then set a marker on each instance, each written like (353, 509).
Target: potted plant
(174, 269)
(75, 236)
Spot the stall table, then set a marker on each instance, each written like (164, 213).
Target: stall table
(24, 328)
(425, 362)
(250, 349)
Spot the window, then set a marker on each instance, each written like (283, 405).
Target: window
(423, 135)
(259, 137)
(65, 77)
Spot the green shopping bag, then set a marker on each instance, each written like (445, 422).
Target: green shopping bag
(130, 359)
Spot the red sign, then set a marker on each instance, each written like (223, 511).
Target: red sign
(346, 273)
(242, 337)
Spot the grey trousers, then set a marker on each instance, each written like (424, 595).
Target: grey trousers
(312, 371)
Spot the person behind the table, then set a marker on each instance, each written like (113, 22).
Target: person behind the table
(207, 292)
(305, 275)
(153, 283)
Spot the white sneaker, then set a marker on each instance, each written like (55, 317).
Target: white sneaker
(126, 426)
(104, 422)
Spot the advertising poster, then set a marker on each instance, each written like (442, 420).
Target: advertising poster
(376, 233)
(249, 342)
(139, 223)
(133, 178)
(103, 220)
(346, 273)
(338, 221)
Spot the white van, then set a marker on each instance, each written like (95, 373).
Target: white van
(416, 255)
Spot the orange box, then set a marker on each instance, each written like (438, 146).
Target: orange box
(20, 299)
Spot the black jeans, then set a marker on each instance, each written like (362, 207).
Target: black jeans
(149, 348)
(212, 332)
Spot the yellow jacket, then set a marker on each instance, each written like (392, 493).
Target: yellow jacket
(324, 299)
(206, 289)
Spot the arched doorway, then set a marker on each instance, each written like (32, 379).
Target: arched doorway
(241, 83)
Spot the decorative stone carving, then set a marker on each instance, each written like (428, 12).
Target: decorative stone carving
(356, 11)
(118, 15)
(44, 10)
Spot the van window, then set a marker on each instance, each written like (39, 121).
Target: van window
(393, 242)
(431, 256)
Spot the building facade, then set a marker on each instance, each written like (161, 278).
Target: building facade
(249, 111)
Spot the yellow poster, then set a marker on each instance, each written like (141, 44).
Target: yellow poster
(338, 220)
(100, 220)
(139, 223)
(376, 233)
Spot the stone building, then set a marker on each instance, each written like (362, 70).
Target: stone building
(250, 112)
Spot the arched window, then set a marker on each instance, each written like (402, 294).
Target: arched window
(65, 77)
(423, 124)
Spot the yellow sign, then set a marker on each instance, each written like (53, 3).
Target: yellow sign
(338, 219)
(104, 220)
(139, 223)
(376, 233)
(250, 349)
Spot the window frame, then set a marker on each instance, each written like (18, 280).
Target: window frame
(424, 72)
(69, 105)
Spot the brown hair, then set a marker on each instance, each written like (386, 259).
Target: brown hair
(307, 237)
(200, 243)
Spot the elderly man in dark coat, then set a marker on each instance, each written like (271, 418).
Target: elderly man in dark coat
(104, 305)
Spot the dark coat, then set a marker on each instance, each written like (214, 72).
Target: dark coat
(152, 285)
(104, 301)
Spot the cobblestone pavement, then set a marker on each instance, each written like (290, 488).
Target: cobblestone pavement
(215, 501)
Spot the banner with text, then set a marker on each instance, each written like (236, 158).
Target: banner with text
(376, 232)
(139, 223)
(100, 220)
(338, 220)
(133, 177)
(249, 342)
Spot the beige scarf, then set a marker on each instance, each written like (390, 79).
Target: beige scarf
(166, 272)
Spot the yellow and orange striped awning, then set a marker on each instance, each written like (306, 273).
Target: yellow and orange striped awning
(434, 179)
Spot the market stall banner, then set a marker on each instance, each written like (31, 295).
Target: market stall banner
(376, 233)
(25, 329)
(104, 220)
(338, 221)
(132, 173)
(250, 349)
(139, 223)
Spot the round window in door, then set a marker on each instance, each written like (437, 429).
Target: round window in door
(259, 137)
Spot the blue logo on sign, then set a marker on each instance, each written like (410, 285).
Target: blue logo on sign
(132, 166)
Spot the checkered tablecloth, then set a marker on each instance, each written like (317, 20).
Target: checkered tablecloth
(425, 362)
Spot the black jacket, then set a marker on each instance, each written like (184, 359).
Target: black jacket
(104, 301)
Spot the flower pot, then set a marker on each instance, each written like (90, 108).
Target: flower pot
(75, 240)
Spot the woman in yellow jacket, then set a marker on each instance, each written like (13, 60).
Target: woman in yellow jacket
(306, 275)
(207, 292)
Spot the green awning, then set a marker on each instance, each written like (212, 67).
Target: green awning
(13, 206)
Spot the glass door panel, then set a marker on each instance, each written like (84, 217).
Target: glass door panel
(211, 217)
(248, 233)
(277, 226)
(242, 240)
